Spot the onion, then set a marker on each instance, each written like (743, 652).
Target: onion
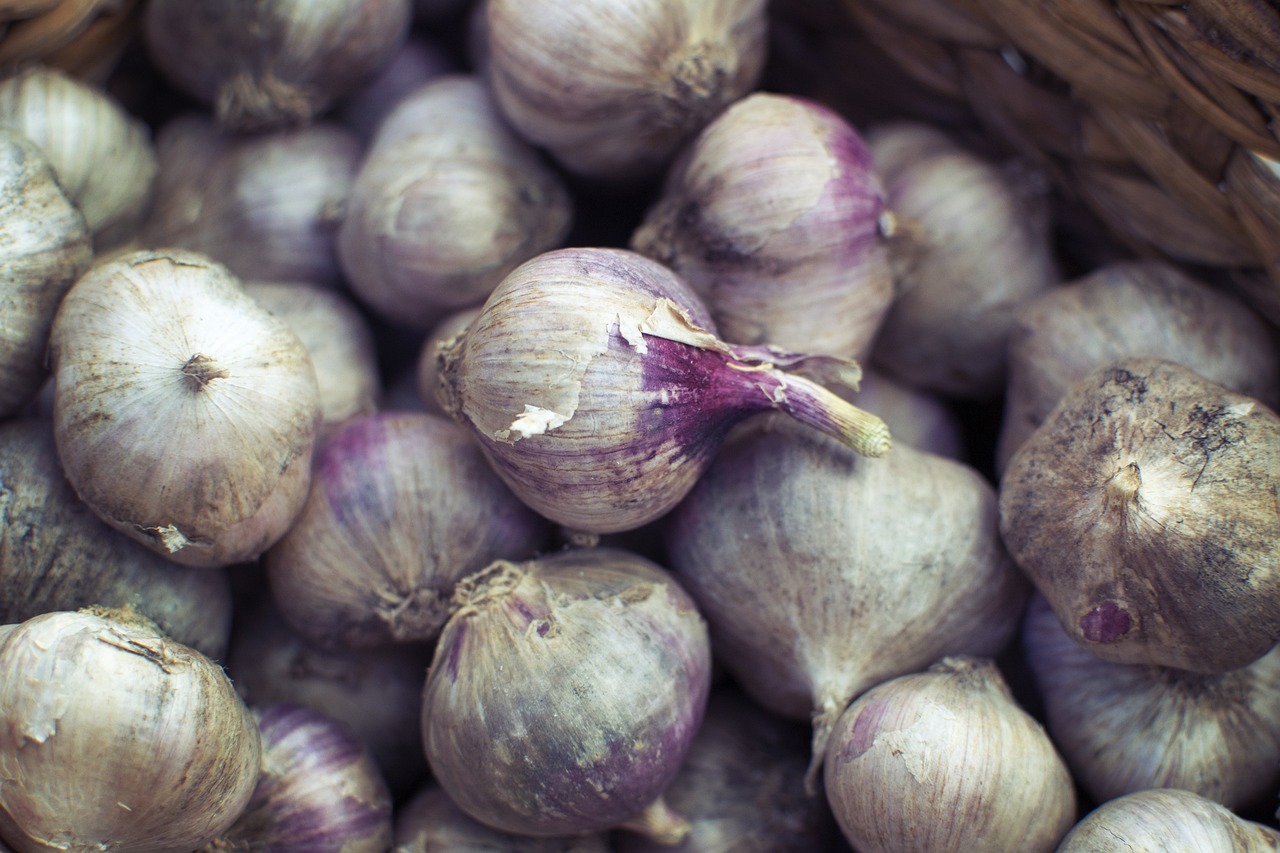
(565, 692)
(823, 573)
(402, 507)
(430, 822)
(55, 554)
(599, 391)
(320, 789)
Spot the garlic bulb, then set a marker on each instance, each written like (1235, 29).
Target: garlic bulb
(447, 202)
(55, 554)
(822, 573)
(565, 692)
(1167, 819)
(613, 88)
(339, 341)
(402, 507)
(431, 823)
(1130, 309)
(45, 247)
(184, 412)
(1124, 728)
(972, 243)
(267, 65)
(113, 737)
(775, 215)
(268, 206)
(1144, 509)
(102, 155)
(598, 389)
(946, 760)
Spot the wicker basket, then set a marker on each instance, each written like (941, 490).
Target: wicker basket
(82, 37)
(1154, 119)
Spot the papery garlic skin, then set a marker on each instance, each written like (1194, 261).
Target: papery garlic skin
(45, 246)
(945, 760)
(1167, 819)
(1144, 510)
(184, 413)
(565, 691)
(102, 155)
(113, 737)
(1125, 728)
(269, 65)
(612, 88)
(448, 200)
(775, 215)
(430, 822)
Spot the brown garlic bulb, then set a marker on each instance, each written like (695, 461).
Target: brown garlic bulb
(1124, 728)
(113, 737)
(268, 65)
(1167, 819)
(776, 216)
(55, 554)
(971, 242)
(946, 760)
(184, 412)
(448, 200)
(268, 206)
(45, 247)
(1144, 509)
(613, 88)
(1130, 309)
(102, 155)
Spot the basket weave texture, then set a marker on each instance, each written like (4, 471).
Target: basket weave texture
(1157, 118)
(82, 37)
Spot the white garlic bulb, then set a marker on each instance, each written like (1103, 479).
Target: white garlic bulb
(113, 737)
(184, 412)
(1167, 819)
(613, 88)
(44, 247)
(102, 155)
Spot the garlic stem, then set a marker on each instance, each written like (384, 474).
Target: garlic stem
(813, 405)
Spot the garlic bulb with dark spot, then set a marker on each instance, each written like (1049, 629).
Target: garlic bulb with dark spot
(268, 65)
(613, 88)
(1144, 509)
(113, 737)
(44, 247)
(1167, 819)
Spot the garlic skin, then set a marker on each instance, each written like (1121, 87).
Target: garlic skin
(597, 387)
(448, 200)
(427, 370)
(114, 737)
(972, 242)
(55, 554)
(775, 215)
(268, 206)
(46, 247)
(1123, 728)
(615, 669)
(102, 155)
(184, 413)
(338, 339)
(613, 88)
(822, 573)
(430, 822)
(1130, 309)
(402, 506)
(945, 760)
(1167, 819)
(1144, 510)
(270, 65)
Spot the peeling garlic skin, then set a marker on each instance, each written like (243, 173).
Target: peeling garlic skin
(1144, 510)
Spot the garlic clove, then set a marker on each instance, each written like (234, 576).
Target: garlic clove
(1167, 819)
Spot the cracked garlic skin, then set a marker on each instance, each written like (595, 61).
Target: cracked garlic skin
(1167, 819)
(599, 391)
(946, 760)
(184, 412)
(613, 88)
(1144, 509)
(113, 737)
